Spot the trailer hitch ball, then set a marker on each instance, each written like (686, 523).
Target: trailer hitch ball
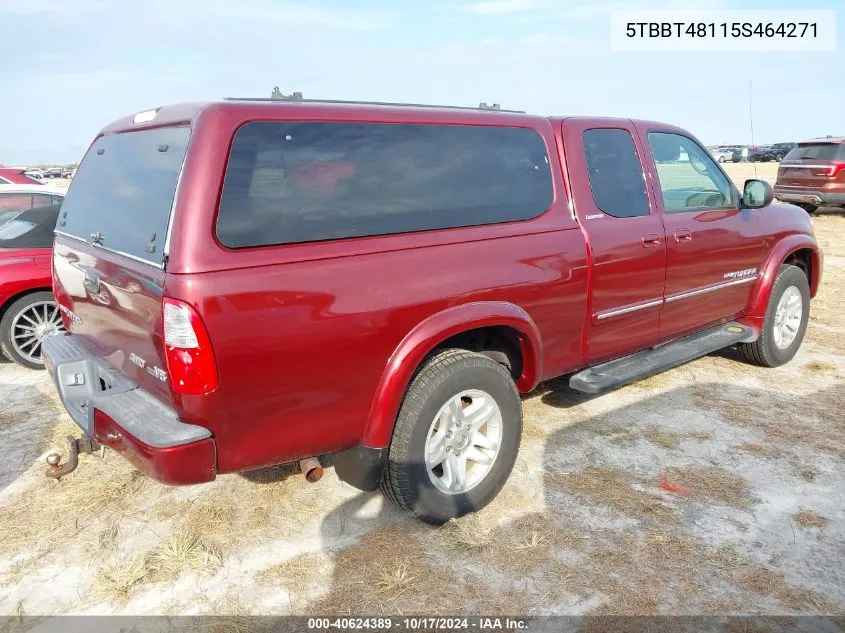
(57, 470)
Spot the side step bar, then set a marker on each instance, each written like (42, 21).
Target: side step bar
(621, 371)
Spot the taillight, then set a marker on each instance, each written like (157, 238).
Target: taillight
(190, 358)
(831, 170)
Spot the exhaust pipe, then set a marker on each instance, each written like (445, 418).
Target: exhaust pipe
(312, 469)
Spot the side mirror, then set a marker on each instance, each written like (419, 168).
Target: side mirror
(757, 194)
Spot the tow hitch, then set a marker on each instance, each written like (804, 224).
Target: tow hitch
(57, 470)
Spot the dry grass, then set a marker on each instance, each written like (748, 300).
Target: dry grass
(830, 233)
(662, 437)
(701, 436)
(828, 305)
(767, 582)
(533, 431)
(299, 571)
(760, 450)
(471, 532)
(745, 573)
(375, 576)
(829, 339)
(809, 519)
(7, 420)
(609, 486)
(821, 365)
(655, 382)
(815, 420)
(619, 435)
(182, 552)
(713, 484)
(115, 582)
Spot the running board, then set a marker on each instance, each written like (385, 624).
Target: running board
(627, 369)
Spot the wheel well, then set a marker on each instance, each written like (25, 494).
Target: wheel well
(14, 298)
(803, 259)
(499, 343)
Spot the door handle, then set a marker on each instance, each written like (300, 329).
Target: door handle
(651, 239)
(683, 235)
(92, 281)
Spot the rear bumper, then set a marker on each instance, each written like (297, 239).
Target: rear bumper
(117, 413)
(819, 197)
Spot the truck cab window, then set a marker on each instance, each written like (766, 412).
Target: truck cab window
(689, 177)
(616, 173)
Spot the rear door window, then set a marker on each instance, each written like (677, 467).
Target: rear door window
(123, 191)
(290, 182)
(616, 174)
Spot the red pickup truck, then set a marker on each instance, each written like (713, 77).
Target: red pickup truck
(254, 282)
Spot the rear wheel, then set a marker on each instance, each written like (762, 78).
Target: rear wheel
(25, 324)
(785, 322)
(456, 437)
(809, 208)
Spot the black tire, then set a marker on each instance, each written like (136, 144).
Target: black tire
(6, 327)
(764, 351)
(809, 208)
(406, 480)
(721, 159)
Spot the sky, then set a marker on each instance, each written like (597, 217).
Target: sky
(69, 67)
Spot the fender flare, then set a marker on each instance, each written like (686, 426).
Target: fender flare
(759, 300)
(429, 333)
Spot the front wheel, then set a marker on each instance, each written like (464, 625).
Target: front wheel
(785, 322)
(456, 437)
(25, 324)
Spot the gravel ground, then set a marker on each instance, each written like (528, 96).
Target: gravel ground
(716, 487)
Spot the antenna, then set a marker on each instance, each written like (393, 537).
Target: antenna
(751, 122)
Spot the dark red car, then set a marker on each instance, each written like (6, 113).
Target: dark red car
(812, 174)
(28, 313)
(248, 283)
(16, 176)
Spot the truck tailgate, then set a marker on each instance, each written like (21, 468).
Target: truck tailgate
(114, 303)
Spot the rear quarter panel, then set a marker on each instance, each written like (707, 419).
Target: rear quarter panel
(301, 347)
(23, 271)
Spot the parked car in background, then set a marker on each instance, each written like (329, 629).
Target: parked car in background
(812, 174)
(28, 312)
(67, 172)
(780, 150)
(419, 267)
(723, 153)
(53, 172)
(16, 176)
(35, 173)
(14, 199)
(753, 154)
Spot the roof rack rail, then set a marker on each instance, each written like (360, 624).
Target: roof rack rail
(297, 96)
